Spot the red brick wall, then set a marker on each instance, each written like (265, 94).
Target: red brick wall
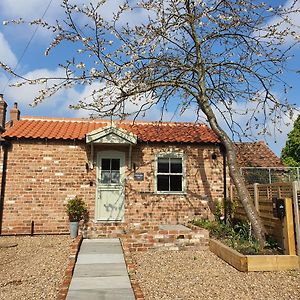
(43, 175)
(203, 182)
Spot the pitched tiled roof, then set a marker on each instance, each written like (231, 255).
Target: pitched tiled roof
(257, 154)
(30, 127)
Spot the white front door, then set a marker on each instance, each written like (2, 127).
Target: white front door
(110, 186)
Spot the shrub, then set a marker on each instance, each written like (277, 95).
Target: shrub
(235, 234)
(76, 209)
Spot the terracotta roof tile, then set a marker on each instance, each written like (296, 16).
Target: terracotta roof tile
(172, 132)
(30, 127)
(257, 154)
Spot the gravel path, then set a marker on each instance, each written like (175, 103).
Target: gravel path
(202, 275)
(33, 269)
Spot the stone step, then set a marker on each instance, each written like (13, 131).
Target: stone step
(160, 237)
(172, 238)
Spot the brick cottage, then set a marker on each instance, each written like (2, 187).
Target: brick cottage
(129, 174)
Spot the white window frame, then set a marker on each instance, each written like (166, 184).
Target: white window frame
(170, 155)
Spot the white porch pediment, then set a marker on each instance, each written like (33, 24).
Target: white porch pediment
(111, 135)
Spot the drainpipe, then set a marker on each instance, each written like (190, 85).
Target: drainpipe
(223, 151)
(5, 146)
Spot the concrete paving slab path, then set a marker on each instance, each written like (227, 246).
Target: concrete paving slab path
(100, 272)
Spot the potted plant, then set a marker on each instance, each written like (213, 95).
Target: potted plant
(76, 210)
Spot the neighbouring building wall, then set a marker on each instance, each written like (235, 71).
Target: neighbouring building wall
(43, 175)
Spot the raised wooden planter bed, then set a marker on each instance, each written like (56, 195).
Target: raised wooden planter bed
(246, 263)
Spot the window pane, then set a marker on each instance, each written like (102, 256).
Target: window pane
(115, 177)
(105, 177)
(175, 183)
(105, 164)
(115, 164)
(176, 165)
(162, 182)
(163, 165)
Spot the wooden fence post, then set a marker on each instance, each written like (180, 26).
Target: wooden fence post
(296, 214)
(288, 228)
(279, 191)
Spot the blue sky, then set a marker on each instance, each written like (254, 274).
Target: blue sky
(14, 39)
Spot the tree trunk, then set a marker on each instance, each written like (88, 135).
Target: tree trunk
(236, 176)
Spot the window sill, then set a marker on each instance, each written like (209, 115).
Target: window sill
(171, 193)
(108, 222)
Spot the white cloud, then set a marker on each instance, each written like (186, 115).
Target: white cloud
(30, 9)
(275, 139)
(153, 113)
(29, 91)
(3, 81)
(6, 54)
(107, 11)
(34, 9)
(294, 22)
(295, 15)
(278, 139)
(24, 95)
(58, 105)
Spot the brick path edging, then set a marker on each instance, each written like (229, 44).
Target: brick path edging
(131, 272)
(74, 249)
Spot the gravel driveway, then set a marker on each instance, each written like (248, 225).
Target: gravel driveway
(33, 269)
(191, 275)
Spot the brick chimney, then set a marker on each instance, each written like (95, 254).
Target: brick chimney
(14, 113)
(3, 107)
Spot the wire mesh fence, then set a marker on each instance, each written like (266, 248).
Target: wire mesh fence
(270, 175)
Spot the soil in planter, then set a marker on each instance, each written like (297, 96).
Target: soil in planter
(251, 248)
(238, 236)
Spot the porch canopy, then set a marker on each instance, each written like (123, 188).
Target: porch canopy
(110, 135)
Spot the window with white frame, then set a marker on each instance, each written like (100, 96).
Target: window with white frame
(169, 175)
